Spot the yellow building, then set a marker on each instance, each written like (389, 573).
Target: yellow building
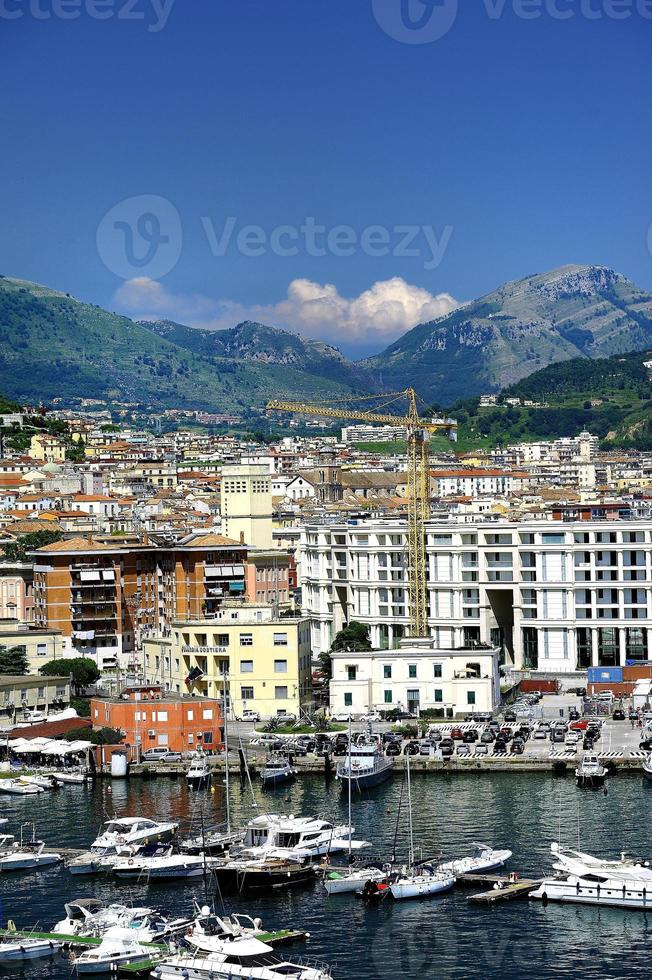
(48, 448)
(267, 659)
(246, 504)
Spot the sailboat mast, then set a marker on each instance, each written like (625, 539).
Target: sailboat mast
(409, 791)
(349, 782)
(226, 753)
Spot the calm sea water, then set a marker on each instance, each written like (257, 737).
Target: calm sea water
(441, 938)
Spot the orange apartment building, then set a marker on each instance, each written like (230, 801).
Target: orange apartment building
(105, 596)
(267, 577)
(150, 719)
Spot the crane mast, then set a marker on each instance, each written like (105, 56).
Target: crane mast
(418, 483)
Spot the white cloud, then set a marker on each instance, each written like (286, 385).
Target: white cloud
(381, 313)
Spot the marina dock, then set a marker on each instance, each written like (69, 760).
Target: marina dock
(503, 888)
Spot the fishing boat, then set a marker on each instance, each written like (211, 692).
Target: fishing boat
(483, 859)
(116, 949)
(20, 787)
(277, 770)
(238, 958)
(199, 773)
(365, 764)
(422, 880)
(590, 771)
(20, 949)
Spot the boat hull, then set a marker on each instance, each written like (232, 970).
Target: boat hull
(13, 952)
(365, 780)
(627, 898)
(421, 886)
(28, 862)
(349, 884)
(275, 779)
(236, 880)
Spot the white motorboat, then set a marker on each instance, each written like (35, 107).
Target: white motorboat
(647, 767)
(277, 769)
(117, 948)
(160, 861)
(45, 780)
(90, 917)
(19, 787)
(570, 861)
(72, 777)
(199, 773)
(123, 831)
(28, 855)
(237, 958)
(343, 881)
(365, 764)
(597, 888)
(483, 859)
(20, 949)
(296, 838)
(417, 881)
(590, 771)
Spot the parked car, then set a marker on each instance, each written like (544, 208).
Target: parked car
(411, 748)
(633, 713)
(470, 735)
(646, 744)
(392, 748)
(249, 715)
(342, 716)
(510, 716)
(540, 732)
(481, 750)
(571, 739)
(463, 750)
(426, 746)
(435, 734)
(557, 734)
(574, 714)
(371, 716)
(579, 726)
(517, 746)
(457, 734)
(161, 754)
(500, 745)
(447, 747)
(487, 736)
(397, 715)
(494, 725)
(587, 742)
(618, 715)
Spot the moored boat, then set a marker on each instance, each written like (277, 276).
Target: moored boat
(199, 773)
(590, 771)
(365, 765)
(277, 770)
(484, 858)
(19, 949)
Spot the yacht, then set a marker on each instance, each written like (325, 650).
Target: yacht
(570, 861)
(590, 771)
(365, 764)
(261, 875)
(597, 888)
(18, 950)
(160, 861)
(483, 859)
(90, 917)
(199, 773)
(277, 770)
(296, 838)
(116, 949)
(123, 831)
(237, 958)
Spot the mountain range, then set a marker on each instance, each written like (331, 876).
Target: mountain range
(53, 345)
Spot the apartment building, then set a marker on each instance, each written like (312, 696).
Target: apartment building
(416, 677)
(105, 597)
(267, 659)
(555, 596)
(246, 504)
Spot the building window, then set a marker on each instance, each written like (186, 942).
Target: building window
(41, 693)
(348, 699)
(439, 695)
(41, 649)
(412, 671)
(470, 697)
(387, 672)
(351, 673)
(280, 666)
(246, 639)
(163, 740)
(437, 670)
(222, 640)
(247, 693)
(280, 639)
(161, 715)
(280, 693)
(246, 666)
(207, 714)
(388, 697)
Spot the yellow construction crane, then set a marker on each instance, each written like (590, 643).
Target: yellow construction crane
(418, 484)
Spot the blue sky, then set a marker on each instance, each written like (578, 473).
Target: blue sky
(437, 170)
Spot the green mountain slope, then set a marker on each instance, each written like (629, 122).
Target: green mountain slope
(257, 343)
(574, 311)
(52, 345)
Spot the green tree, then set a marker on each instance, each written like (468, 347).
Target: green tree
(354, 636)
(19, 549)
(83, 671)
(99, 736)
(14, 661)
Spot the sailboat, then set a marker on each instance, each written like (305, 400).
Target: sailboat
(341, 881)
(418, 880)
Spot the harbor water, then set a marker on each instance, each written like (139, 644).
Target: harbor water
(445, 937)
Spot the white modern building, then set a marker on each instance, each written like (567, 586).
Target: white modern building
(416, 677)
(556, 596)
